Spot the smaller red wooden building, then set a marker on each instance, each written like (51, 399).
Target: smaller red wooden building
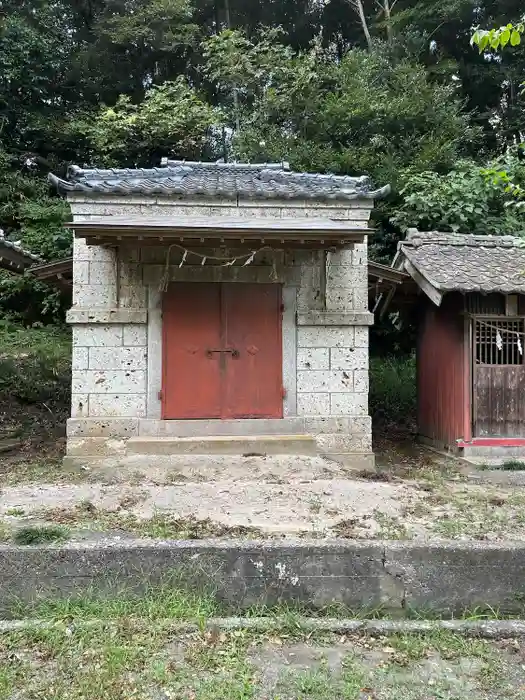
(470, 295)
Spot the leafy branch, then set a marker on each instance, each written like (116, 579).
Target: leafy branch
(496, 39)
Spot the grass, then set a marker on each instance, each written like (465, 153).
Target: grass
(171, 600)
(480, 514)
(161, 526)
(393, 390)
(15, 512)
(391, 528)
(125, 647)
(512, 465)
(143, 659)
(323, 684)
(40, 534)
(35, 363)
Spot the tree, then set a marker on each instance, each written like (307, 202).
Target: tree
(367, 113)
(465, 200)
(172, 120)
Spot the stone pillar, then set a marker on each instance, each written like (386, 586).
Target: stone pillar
(109, 368)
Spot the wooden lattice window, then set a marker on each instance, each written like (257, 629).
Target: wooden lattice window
(499, 342)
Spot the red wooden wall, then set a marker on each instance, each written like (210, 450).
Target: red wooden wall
(443, 368)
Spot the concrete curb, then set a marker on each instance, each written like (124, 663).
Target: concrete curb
(446, 577)
(488, 629)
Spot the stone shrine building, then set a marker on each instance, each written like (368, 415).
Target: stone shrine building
(219, 308)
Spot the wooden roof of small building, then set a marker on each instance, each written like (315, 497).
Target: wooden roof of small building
(14, 257)
(439, 263)
(465, 263)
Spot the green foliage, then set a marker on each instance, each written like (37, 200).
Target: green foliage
(35, 364)
(469, 199)
(495, 39)
(393, 390)
(40, 534)
(171, 121)
(367, 113)
(30, 215)
(160, 24)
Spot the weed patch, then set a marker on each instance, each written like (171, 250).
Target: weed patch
(40, 534)
(160, 526)
(393, 390)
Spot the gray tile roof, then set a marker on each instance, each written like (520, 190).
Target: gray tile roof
(227, 180)
(15, 258)
(467, 263)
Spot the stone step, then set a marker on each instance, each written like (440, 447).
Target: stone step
(224, 445)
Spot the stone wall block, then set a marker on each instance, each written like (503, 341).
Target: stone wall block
(97, 335)
(103, 273)
(130, 273)
(135, 335)
(314, 404)
(81, 271)
(339, 298)
(361, 337)
(340, 442)
(133, 296)
(338, 424)
(309, 294)
(81, 252)
(79, 405)
(95, 295)
(324, 381)
(109, 381)
(348, 404)
(361, 382)
(79, 359)
(349, 358)
(347, 276)
(361, 298)
(117, 358)
(327, 337)
(121, 427)
(360, 254)
(313, 358)
(343, 256)
(121, 405)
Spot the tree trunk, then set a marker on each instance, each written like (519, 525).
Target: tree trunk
(388, 20)
(235, 93)
(358, 6)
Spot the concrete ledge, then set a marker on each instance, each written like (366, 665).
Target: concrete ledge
(445, 578)
(208, 428)
(224, 445)
(326, 318)
(88, 447)
(105, 316)
(489, 629)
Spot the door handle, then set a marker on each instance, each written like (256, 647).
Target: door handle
(231, 351)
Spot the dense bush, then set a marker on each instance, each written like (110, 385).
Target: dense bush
(393, 390)
(35, 364)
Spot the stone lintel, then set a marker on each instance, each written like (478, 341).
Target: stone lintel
(328, 318)
(105, 316)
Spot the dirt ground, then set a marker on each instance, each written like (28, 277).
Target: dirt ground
(416, 495)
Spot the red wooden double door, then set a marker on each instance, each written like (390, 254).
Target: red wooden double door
(222, 351)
